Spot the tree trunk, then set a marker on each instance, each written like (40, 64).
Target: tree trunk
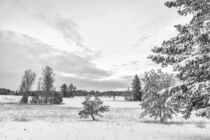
(25, 98)
(161, 116)
(92, 117)
(162, 120)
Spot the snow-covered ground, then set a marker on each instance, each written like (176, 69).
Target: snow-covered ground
(61, 122)
(118, 103)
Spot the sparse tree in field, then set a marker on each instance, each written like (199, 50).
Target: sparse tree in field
(48, 79)
(47, 86)
(189, 54)
(154, 102)
(136, 89)
(26, 84)
(92, 107)
(39, 84)
(58, 98)
(114, 96)
(64, 90)
(71, 90)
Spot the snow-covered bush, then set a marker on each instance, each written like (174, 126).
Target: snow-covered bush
(35, 100)
(47, 98)
(92, 106)
(154, 102)
(58, 98)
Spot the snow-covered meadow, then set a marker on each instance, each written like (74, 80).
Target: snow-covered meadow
(122, 122)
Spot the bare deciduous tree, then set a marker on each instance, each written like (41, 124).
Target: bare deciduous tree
(48, 79)
(26, 84)
(39, 84)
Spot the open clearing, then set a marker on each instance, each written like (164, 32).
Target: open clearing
(122, 122)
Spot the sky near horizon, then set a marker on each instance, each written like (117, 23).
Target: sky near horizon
(94, 44)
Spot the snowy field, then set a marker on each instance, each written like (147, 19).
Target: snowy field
(61, 122)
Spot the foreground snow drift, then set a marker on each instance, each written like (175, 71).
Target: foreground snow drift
(85, 130)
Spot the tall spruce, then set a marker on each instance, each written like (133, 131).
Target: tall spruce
(189, 54)
(136, 89)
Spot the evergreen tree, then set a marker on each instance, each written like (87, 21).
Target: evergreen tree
(189, 54)
(92, 107)
(136, 89)
(71, 90)
(64, 90)
(156, 94)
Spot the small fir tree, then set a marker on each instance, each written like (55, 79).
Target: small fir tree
(136, 89)
(156, 94)
(92, 106)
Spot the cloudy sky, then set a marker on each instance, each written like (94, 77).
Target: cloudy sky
(94, 44)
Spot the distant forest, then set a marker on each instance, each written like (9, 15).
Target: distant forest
(4, 91)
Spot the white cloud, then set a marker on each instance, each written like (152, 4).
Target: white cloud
(114, 38)
(20, 52)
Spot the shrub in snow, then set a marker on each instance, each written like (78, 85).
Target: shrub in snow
(92, 106)
(154, 102)
(47, 98)
(58, 98)
(205, 112)
(35, 100)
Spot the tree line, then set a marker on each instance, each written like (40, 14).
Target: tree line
(45, 87)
